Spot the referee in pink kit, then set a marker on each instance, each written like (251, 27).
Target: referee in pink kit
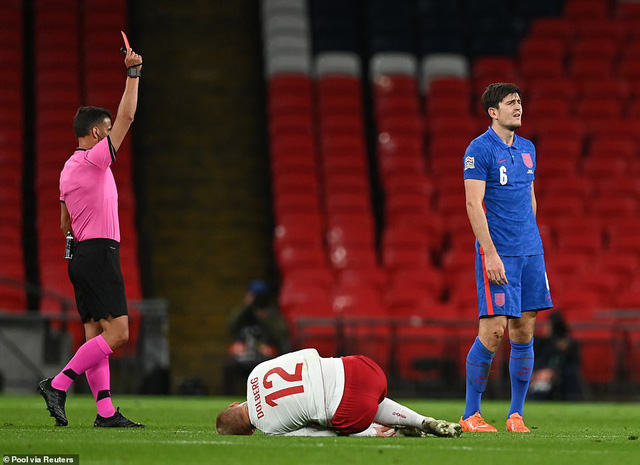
(89, 211)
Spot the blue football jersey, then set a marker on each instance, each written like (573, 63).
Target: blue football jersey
(508, 173)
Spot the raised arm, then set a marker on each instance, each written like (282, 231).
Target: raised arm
(474, 191)
(129, 101)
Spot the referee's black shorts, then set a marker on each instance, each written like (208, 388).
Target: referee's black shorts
(97, 279)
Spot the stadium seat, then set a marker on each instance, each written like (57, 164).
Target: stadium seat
(350, 230)
(298, 257)
(557, 28)
(601, 167)
(542, 107)
(338, 63)
(612, 88)
(343, 258)
(430, 280)
(494, 67)
(374, 277)
(464, 127)
(550, 87)
(599, 354)
(447, 86)
(541, 47)
(442, 65)
(394, 257)
(298, 230)
(551, 147)
(612, 147)
(599, 27)
(594, 9)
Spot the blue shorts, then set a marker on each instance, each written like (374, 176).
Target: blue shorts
(528, 287)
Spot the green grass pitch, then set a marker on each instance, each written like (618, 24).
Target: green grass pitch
(180, 431)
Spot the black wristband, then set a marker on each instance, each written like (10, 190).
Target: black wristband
(134, 72)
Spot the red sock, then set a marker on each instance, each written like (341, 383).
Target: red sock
(89, 353)
(99, 380)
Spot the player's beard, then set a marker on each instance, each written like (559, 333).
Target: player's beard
(514, 126)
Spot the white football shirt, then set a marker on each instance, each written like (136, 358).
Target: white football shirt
(295, 391)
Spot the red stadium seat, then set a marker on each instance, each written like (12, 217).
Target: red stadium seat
(552, 147)
(291, 124)
(298, 230)
(427, 279)
(297, 257)
(395, 84)
(608, 147)
(351, 230)
(397, 106)
(599, 27)
(355, 183)
(544, 106)
(542, 68)
(467, 128)
(447, 86)
(374, 277)
(599, 354)
(595, 47)
(394, 257)
(571, 128)
(401, 125)
(352, 257)
(601, 167)
(542, 47)
(599, 109)
(494, 66)
(549, 87)
(344, 202)
(612, 88)
(558, 28)
(590, 67)
(450, 105)
(629, 68)
(586, 9)
(290, 84)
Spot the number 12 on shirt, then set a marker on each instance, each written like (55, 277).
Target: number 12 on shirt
(296, 376)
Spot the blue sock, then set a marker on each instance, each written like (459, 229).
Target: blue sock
(520, 368)
(478, 368)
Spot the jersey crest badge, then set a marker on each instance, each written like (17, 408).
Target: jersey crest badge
(469, 163)
(499, 298)
(528, 161)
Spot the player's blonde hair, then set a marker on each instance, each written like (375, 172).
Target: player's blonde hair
(232, 420)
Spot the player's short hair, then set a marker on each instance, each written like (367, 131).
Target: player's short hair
(496, 92)
(88, 117)
(232, 421)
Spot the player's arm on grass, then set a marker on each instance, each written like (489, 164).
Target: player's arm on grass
(128, 103)
(474, 192)
(311, 431)
(65, 219)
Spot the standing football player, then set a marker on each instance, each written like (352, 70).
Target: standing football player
(499, 169)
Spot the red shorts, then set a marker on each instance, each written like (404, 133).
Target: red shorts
(365, 386)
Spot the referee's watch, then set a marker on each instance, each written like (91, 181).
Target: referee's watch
(134, 72)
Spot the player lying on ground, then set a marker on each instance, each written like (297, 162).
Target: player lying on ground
(303, 394)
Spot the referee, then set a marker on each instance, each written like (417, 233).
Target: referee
(89, 212)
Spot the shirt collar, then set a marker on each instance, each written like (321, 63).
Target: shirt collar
(497, 140)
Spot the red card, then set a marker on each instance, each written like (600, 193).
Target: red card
(126, 41)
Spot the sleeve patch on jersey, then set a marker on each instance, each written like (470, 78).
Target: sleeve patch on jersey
(469, 163)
